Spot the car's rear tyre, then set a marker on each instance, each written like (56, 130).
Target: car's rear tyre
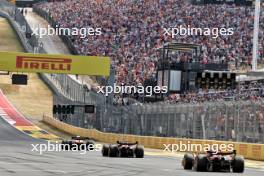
(139, 151)
(187, 161)
(113, 151)
(201, 163)
(105, 150)
(82, 146)
(238, 164)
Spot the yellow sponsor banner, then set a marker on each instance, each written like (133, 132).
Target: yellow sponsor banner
(60, 64)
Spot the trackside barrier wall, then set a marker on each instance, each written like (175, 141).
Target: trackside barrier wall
(249, 151)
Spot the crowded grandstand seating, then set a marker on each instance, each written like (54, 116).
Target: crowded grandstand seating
(253, 91)
(133, 30)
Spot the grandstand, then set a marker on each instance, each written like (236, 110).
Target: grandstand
(132, 31)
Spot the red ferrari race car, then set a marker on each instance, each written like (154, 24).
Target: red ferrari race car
(123, 149)
(81, 143)
(213, 161)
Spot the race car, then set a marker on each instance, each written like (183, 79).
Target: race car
(123, 149)
(214, 161)
(80, 143)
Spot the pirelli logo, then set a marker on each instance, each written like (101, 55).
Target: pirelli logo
(43, 63)
(57, 64)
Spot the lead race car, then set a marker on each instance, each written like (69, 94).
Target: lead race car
(214, 161)
(80, 143)
(123, 149)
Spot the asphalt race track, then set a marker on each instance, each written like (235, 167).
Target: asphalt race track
(17, 159)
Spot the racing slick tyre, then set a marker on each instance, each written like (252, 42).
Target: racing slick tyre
(238, 164)
(113, 151)
(201, 163)
(105, 150)
(187, 161)
(90, 145)
(139, 152)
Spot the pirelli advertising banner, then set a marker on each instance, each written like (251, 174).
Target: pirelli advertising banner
(61, 64)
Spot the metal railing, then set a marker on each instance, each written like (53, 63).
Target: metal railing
(236, 121)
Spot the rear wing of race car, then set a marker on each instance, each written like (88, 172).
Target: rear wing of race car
(126, 143)
(222, 152)
(211, 152)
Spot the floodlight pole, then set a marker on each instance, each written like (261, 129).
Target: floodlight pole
(255, 35)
